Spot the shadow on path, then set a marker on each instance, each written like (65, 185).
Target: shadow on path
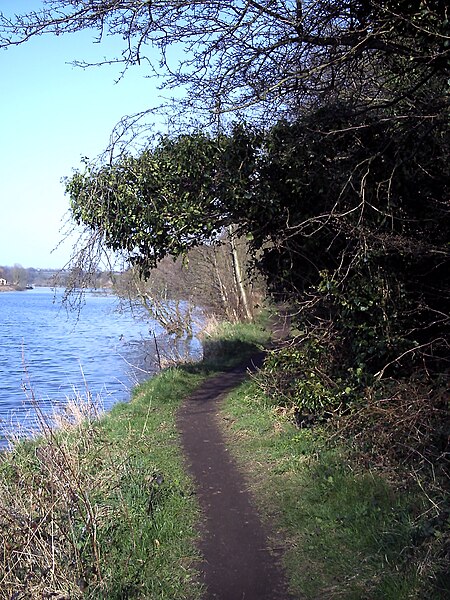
(237, 563)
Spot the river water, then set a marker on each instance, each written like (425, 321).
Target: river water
(49, 356)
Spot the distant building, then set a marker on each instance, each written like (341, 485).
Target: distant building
(3, 281)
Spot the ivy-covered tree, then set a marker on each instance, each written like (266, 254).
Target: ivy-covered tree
(170, 198)
(351, 212)
(178, 194)
(362, 229)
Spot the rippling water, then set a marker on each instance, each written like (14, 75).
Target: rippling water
(50, 355)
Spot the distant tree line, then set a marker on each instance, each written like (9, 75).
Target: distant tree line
(22, 277)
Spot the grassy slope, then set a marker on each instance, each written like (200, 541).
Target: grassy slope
(347, 534)
(106, 510)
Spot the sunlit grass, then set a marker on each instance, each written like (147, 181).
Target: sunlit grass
(225, 343)
(102, 509)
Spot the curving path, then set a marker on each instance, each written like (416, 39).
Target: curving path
(237, 563)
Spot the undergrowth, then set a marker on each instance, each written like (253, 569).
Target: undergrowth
(393, 424)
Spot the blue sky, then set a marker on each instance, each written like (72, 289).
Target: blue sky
(52, 114)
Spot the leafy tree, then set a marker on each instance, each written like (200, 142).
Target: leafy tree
(350, 211)
(162, 202)
(173, 197)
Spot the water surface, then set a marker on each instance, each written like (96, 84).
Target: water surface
(49, 355)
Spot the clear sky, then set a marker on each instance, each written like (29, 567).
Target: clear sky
(52, 114)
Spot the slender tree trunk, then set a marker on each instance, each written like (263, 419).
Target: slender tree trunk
(238, 274)
(221, 285)
(230, 311)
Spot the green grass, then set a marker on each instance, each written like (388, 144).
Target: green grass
(104, 509)
(230, 343)
(150, 532)
(346, 534)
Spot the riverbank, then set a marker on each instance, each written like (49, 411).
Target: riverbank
(105, 509)
(15, 288)
(10, 288)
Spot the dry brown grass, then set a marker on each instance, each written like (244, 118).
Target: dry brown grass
(406, 428)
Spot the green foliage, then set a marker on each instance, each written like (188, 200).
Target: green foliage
(156, 204)
(307, 378)
(171, 198)
(362, 233)
(370, 312)
(343, 206)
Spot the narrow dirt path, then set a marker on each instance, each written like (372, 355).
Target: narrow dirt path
(237, 563)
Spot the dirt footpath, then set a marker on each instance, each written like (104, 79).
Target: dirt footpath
(237, 563)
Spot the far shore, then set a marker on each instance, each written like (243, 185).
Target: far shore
(12, 288)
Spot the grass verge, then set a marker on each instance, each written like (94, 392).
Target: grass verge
(103, 508)
(347, 533)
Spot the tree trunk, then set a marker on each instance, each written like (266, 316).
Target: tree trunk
(229, 310)
(238, 274)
